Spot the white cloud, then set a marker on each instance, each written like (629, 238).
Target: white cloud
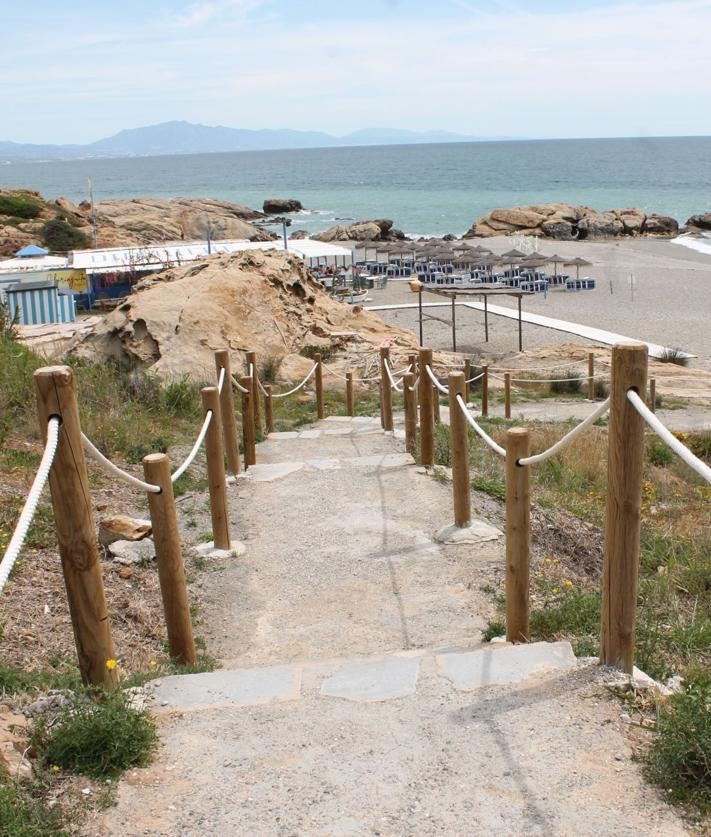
(206, 11)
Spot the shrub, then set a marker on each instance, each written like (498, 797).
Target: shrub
(62, 236)
(602, 389)
(700, 444)
(658, 453)
(680, 758)
(99, 737)
(180, 398)
(569, 382)
(493, 486)
(22, 817)
(575, 613)
(270, 368)
(312, 351)
(673, 355)
(20, 206)
(494, 628)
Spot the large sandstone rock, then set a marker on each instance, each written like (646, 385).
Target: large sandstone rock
(121, 527)
(277, 206)
(632, 220)
(600, 225)
(701, 222)
(661, 225)
(379, 230)
(262, 301)
(13, 745)
(559, 229)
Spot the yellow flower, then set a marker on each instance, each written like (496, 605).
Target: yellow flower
(568, 583)
(111, 665)
(153, 664)
(55, 768)
(555, 591)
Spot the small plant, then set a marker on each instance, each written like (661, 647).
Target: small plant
(312, 351)
(493, 486)
(61, 236)
(602, 389)
(568, 383)
(269, 369)
(658, 453)
(700, 445)
(680, 758)
(98, 735)
(494, 628)
(674, 355)
(8, 324)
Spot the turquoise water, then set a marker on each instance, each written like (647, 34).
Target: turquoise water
(425, 189)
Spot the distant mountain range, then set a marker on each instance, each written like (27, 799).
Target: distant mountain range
(190, 138)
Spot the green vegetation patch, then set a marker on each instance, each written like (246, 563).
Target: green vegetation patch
(20, 206)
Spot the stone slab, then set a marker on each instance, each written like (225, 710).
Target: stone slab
(324, 464)
(284, 434)
(338, 418)
(343, 430)
(268, 472)
(374, 680)
(478, 531)
(365, 420)
(310, 434)
(387, 460)
(242, 687)
(132, 552)
(505, 664)
(209, 550)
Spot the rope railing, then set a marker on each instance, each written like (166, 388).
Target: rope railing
(238, 385)
(475, 378)
(680, 449)
(221, 379)
(537, 368)
(558, 446)
(110, 468)
(548, 380)
(181, 469)
(393, 383)
(480, 430)
(28, 510)
(435, 380)
(298, 386)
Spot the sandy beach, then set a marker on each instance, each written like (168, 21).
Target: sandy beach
(671, 303)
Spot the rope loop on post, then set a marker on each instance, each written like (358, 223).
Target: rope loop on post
(568, 438)
(196, 447)
(484, 435)
(435, 381)
(110, 468)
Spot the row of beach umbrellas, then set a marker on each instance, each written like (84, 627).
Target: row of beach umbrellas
(461, 254)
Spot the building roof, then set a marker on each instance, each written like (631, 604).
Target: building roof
(32, 263)
(31, 250)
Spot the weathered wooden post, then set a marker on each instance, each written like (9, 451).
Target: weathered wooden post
(435, 404)
(485, 390)
(350, 401)
(76, 535)
(256, 401)
(169, 556)
(268, 408)
(625, 461)
(507, 395)
(227, 411)
(653, 394)
(518, 535)
(459, 444)
(426, 411)
(249, 442)
(467, 376)
(408, 385)
(591, 376)
(319, 386)
(217, 482)
(386, 392)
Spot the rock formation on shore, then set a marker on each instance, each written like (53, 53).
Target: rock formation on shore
(700, 222)
(26, 217)
(566, 222)
(277, 206)
(380, 230)
(263, 301)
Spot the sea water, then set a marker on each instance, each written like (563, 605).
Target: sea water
(425, 189)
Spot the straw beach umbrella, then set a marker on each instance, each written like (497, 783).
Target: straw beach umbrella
(579, 262)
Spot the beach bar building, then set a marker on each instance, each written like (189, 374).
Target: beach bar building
(38, 303)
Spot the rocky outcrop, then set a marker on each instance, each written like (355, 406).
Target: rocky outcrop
(566, 222)
(297, 235)
(379, 230)
(277, 206)
(700, 222)
(262, 301)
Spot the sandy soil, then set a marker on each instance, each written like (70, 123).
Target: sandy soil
(671, 305)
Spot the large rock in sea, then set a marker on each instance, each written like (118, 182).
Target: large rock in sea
(379, 230)
(566, 221)
(262, 301)
(278, 206)
(701, 222)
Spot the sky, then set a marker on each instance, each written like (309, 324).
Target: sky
(81, 70)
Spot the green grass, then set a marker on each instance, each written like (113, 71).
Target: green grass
(97, 735)
(20, 206)
(19, 681)
(23, 816)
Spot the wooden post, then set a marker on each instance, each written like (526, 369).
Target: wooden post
(248, 438)
(217, 483)
(408, 385)
(518, 535)
(653, 394)
(386, 392)
(169, 556)
(485, 390)
(319, 386)
(625, 462)
(591, 376)
(227, 412)
(507, 394)
(426, 413)
(350, 402)
(454, 322)
(268, 408)
(435, 404)
(256, 401)
(520, 326)
(459, 444)
(486, 318)
(467, 376)
(76, 534)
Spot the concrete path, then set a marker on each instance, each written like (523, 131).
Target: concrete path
(356, 697)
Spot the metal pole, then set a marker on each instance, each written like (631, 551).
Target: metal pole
(520, 329)
(454, 323)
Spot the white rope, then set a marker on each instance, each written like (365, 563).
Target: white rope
(28, 510)
(484, 435)
(475, 378)
(221, 379)
(389, 374)
(296, 388)
(413, 388)
(666, 436)
(261, 386)
(196, 447)
(435, 381)
(238, 384)
(568, 438)
(537, 368)
(549, 380)
(109, 468)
